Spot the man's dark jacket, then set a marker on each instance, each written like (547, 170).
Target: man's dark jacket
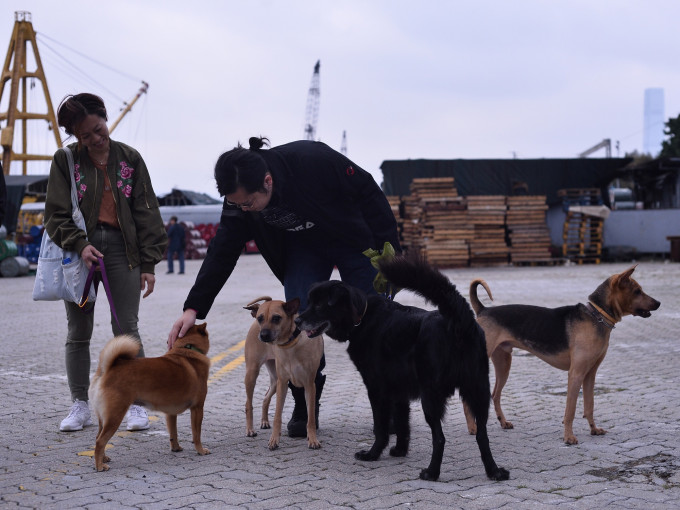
(320, 185)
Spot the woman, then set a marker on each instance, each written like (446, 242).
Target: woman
(124, 227)
(309, 209)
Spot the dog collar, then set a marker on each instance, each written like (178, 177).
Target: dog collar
(362, 314)
(601, 316)
(293, 340)
(194, 348)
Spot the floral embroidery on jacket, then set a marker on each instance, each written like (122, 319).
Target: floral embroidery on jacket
(124, 182)
(80, 186)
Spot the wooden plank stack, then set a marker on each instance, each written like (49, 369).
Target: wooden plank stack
(453, 231)
(582, 233)
(486, 213)
(527, 229)
(435, 222)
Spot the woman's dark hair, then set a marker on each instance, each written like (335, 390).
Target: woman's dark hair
(74, 108)
(242, 168)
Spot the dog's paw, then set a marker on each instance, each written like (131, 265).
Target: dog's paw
(499, 474)
(104, 467)
(273, 444)
(107, 458)
(431, 476)
(570, 439)
(265, 425)
(472, 430)
(251, 433)
(203, 451)
(505, 424)
(365, 455)
(313, 445)
(398, 452)
(177, 448)
(595, 431)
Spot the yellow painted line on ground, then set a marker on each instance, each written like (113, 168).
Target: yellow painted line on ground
(222, 355)
(227, 368)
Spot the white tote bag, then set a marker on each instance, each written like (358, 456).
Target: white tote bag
(62, 274)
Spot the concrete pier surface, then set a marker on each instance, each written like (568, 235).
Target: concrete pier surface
(636, 465)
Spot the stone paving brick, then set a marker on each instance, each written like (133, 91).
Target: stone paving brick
(636, 465)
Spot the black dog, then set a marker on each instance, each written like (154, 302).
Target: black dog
(404, 353)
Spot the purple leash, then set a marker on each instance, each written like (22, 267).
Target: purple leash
(105, 280)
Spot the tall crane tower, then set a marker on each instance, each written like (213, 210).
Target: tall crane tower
(312, 112)
(16, 72)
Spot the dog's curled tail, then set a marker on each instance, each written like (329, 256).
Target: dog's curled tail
(474, 300)
(415, 274)
(123, 346)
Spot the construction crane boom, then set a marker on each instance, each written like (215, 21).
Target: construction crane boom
(312, 112)
(128, 107)
(606, 144)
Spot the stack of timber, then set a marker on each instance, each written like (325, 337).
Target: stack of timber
(437, 222)
(527, 229)
(582, 234)
(395, 205)
(486, 215)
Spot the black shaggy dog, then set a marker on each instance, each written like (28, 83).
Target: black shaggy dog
(404, 353)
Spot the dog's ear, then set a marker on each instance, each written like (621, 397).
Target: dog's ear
(201, 329)
(628, 272)
(253, 308)
(291, 307)
(625, 277)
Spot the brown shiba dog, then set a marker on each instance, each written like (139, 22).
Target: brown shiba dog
(171, 383)
(573, 338)
(297, 360)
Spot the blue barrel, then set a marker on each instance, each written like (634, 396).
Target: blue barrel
(35, 231)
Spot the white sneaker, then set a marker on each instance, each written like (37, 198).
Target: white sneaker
(78, 417)
(137, 419)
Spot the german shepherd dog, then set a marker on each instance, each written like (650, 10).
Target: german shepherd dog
(404, 353)
(573, 338)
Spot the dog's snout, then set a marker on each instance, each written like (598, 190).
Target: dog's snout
(266, 335)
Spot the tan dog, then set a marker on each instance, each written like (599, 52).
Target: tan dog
(258, 353)
(171, 383)
(573, 338)
(297, 359)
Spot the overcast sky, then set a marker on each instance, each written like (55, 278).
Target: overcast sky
(404, 79)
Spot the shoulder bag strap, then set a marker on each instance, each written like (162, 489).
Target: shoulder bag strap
(72, 171)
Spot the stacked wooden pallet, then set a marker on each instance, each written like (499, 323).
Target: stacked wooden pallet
(527, 229)
(435, 222)
(486, 215)
(582, 238)
(582, 233)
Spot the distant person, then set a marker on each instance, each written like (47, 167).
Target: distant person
(124, 227)
(176, 244)
(309, 209)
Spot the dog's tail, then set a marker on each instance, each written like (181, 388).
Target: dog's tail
(474, 300)
(418, 276)
(123, 346)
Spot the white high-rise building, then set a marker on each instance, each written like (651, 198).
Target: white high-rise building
(654, 121)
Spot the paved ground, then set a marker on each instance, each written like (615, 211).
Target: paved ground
(636, 465)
